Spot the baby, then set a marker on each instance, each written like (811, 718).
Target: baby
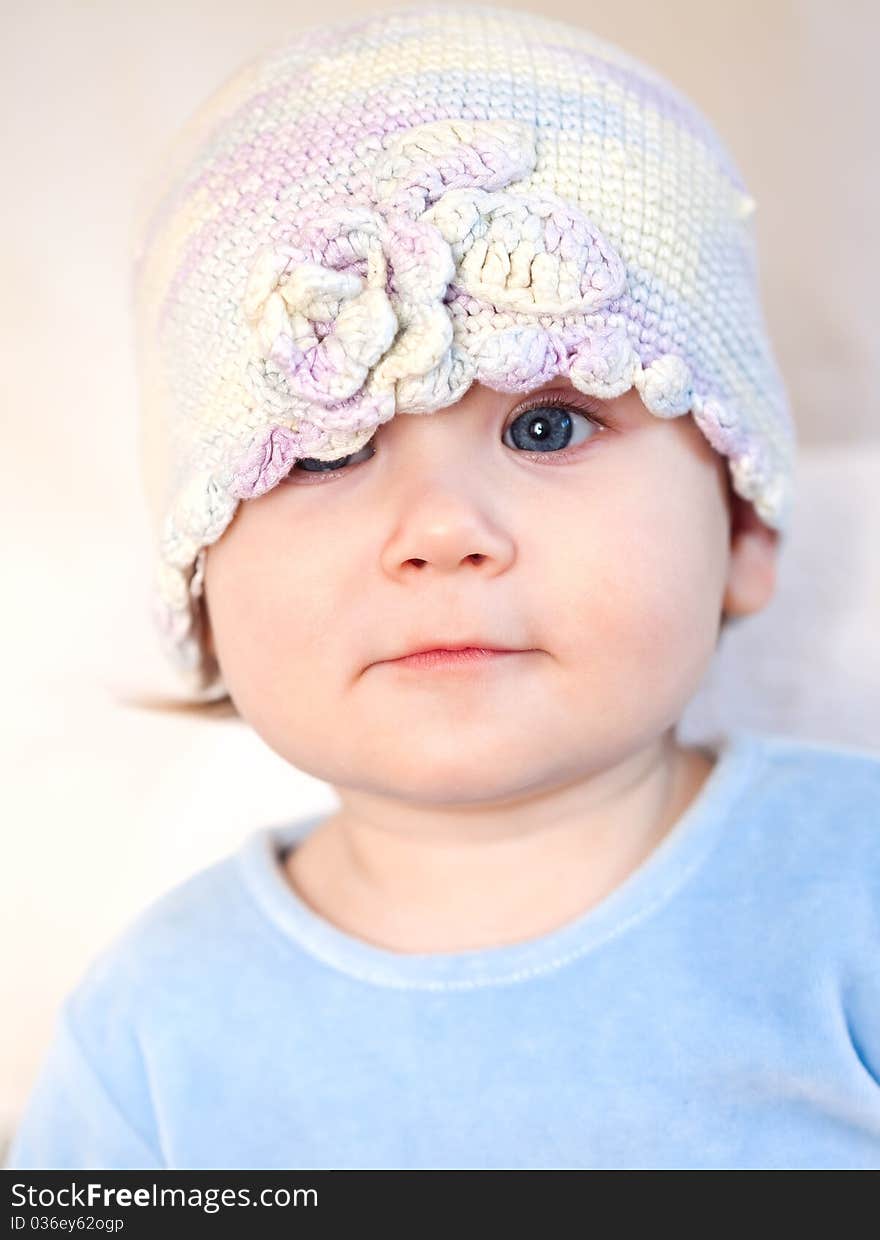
(538, 931)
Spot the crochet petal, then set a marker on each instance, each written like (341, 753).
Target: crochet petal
(335, 366)
(421, 262)
(420, 346)
(665, 386)
(422, 163)
(317, 292)
(604, 363)
(518, 357)
(532, 253)
(443, 385)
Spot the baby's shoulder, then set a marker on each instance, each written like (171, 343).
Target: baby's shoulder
(820, 801)
(165, 953)
(842, 778)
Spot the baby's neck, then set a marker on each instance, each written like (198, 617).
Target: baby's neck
(411, 895)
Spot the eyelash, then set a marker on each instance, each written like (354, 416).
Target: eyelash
(584, 406)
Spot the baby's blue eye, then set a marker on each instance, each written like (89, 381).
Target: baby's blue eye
(545, 427)
(310, 465)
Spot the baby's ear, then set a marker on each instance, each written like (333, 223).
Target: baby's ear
(205, 629)
(751, 579)
(209, 639)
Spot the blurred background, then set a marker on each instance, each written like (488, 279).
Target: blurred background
(106, 807)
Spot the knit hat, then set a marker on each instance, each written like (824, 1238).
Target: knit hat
(369, 218)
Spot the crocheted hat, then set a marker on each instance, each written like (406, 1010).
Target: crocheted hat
(368, 219)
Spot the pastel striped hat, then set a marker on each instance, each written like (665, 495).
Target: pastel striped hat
(371, 217)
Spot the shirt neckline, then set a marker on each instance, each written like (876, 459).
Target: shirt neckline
(647, 888)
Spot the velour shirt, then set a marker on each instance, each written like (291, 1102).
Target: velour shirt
(720, 1009)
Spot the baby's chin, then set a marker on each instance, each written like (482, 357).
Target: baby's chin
(458, 794)
(462, 777)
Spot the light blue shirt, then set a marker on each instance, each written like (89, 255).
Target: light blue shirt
(720, 1009)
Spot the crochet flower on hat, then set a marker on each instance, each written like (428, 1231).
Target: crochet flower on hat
(351, 310)
(354, 305)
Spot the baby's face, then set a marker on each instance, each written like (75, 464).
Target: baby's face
(605, 555)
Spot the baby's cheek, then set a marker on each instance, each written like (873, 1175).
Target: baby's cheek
(644, 613)
(672, 626)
